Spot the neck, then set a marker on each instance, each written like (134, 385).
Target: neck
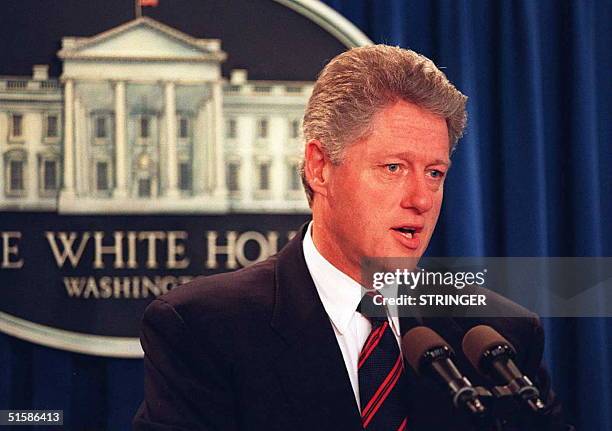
(329, 249)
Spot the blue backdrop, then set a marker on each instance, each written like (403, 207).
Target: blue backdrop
(532, 177)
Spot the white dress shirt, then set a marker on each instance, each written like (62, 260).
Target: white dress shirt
(340, 295)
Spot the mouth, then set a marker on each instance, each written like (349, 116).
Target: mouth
(408, 231)
(408, 235)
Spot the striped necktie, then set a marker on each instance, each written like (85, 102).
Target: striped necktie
(382, 390)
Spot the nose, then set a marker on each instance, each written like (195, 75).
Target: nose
(417, 194)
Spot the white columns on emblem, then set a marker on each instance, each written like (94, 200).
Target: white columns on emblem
(200, 149)
(219, 183)
(120, 141)
(246, 132)
(32, 178)
(81, 159)
(171, 147)
(69, 138)
(278, 137)
(209, 175)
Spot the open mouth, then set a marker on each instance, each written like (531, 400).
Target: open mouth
(408, 232)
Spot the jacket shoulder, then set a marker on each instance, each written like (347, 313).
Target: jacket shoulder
(227, 295)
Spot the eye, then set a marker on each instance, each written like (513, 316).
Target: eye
(393, 167)
(436, 174)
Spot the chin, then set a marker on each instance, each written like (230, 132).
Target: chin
(399, 252)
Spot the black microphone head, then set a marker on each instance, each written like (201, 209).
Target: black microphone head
(480, 340)
(420, 340)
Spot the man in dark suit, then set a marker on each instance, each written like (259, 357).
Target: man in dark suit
(282, 344)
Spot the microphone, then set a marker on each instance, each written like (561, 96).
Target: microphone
(492, 355)
(428, 354)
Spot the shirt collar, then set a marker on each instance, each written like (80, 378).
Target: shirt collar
(339, 293)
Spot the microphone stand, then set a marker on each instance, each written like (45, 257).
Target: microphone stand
(502, 404)
(490, 420)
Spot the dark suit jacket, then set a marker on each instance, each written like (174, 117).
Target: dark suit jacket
(254, 349)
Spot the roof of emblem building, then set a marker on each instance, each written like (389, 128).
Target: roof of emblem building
(143, 38)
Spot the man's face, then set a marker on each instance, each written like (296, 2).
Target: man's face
(384, 198)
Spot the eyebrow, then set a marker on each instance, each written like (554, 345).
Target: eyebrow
(407, 154)
(448, 163)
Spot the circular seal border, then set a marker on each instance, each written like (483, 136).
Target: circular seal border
(330, 20)
(127, 347)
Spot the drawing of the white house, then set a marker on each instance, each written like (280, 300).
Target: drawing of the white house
(142, 121)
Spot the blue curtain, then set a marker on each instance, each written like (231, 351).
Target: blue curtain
(532, 177)
(533, 174)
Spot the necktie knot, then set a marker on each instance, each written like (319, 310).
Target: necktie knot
(372, 307)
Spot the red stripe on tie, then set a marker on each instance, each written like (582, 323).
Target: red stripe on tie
(374, 337)
(402, 426)
(381, 399)
(371, 343)
(382, 393)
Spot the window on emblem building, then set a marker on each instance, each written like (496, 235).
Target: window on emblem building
(262, 128)
(16, 125)
(101, 124)
(102, 178)
(52, 129)
(16, 179)
(185, 176)
(233, 172)
(295, 128)
(230, 128)
(183, 127)
(50, 175)
(294, 177)
(144, 127)
(144, 187)
(264, 176)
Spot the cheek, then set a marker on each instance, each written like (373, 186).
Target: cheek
(434, 213)
(350, 191)
(438, 201)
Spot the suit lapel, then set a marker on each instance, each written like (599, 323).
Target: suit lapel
(311, 367)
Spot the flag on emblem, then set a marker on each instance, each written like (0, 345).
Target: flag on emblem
(148, 2)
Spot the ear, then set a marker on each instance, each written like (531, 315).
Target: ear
(316, 167)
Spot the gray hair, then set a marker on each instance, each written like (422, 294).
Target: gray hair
(360, 82)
